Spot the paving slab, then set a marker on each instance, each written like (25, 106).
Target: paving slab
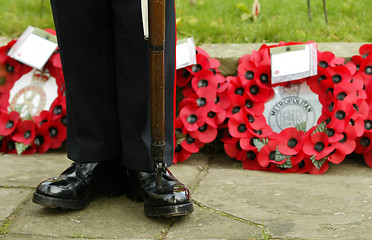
(336, 205)
(30, 170)
(205, 224)
(10, 199)
(104, 218)
(190, 171)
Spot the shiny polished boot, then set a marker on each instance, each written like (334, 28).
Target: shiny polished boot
(172, 199)
(76, 186)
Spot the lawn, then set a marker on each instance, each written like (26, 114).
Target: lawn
(220, 21)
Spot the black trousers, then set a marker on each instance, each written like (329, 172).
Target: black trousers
(105, 65)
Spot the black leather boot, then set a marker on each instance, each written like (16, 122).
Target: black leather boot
(173, 199)
(76, 186)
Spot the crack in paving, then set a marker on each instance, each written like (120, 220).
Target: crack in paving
(16, 187)
(228, 215)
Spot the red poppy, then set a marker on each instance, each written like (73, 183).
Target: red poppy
(346, 92)
(42, 139)
(205, 133)
(180, 154)
(341, 115)
(8, 145)
(358, 123)
(267, 154)
(238, 126)
(193, 117)
(58, 108)
(291, 141)
(31, 149)
(222, 102)
(256, 121)
(257, 93)
(4, 52)
(201, 51)
(202, 64)
(363, 143)
(57, 134)
(361, 108)
(317, 145)
(337, 156)
(366, 68)
(231, 146)
(340, 74)
(8, 123)
(215, 119)
(365, 50)
(263, 76)
(43, 117)
(315, 81)
(246, 71)
(368, 158)
(296, 159)
(235, 86)
(322, 169)
(204, 80)
(54, 66)
(326, 59)
(250, 161)
(253, 107)
(4, 101)
(368, 123)
(262, 132)
(6, 83)
(236, 105)
(304, 166)
(25, 132)
(187, 90)
(247, 143)
(191, 144)
(184, 76)
(333, 136)
(347, 143)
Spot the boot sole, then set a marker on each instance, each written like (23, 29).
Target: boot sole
(169, 211)
(53, 202)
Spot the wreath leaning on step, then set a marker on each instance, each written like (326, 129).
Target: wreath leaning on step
(235, 105)
(30, 134)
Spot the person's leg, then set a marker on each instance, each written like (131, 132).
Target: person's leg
(132, 76)
(85, 37)
(132, 72)
(86, 43)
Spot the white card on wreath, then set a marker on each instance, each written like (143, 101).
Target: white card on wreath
(293, 62)
(185, 53)
(145, 18)
(34, 47)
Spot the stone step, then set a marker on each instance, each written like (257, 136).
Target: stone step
(229, 54)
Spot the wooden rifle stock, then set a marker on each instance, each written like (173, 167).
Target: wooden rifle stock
(157, 85)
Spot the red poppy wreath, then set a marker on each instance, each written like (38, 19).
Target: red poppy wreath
(235, 106)
(31, 118)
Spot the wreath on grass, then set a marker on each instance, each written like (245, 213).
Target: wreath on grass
(23, 130)
(235, 105)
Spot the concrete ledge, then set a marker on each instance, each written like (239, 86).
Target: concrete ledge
(229, 54)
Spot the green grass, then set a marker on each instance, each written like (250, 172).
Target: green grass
(219, 21)
(16, 15)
